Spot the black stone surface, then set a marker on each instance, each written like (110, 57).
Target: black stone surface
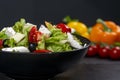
(87, 69)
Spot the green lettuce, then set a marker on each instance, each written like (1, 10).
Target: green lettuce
(41, 43)
(24, 41)
(3, 35)
(53, 43)
(10, 42)
(18, 26)
(58, 47)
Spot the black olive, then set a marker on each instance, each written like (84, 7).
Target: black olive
(5, 43)
(32, 46)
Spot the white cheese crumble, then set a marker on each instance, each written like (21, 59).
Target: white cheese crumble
(29, 25)
(44, 30)
(16, 49)
(10, 31)
(73, 42)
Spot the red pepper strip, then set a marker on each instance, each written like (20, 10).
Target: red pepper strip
(63, 28)
(1, 43)
(41, 51)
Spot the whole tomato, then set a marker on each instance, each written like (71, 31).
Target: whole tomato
(104, 51)
(114, 53)
(92, 50)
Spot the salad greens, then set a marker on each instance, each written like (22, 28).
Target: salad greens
(23, 34)
(18, 26)
(54, 43)
(3, 35)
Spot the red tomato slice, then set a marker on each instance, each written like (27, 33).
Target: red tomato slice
(33, 30)
(38, 36)
(34, 35)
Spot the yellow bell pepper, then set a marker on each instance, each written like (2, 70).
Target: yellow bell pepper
(80, 27)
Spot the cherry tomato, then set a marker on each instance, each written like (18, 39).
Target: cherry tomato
(114, 53)
(93, 50)
(118, 48)
(104, 51)
(34, 35)
(63, 27)
(41, 51)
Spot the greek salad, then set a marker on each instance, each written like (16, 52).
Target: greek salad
(27, 37)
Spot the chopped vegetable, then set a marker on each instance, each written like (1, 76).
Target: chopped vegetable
(25, 37)
(41, 51)
(19, 25)
(18, 37)
(34, 35)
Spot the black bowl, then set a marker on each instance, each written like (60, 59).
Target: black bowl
(42, 66)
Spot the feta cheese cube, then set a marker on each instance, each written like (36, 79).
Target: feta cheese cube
(10, 31)
(18, 36)
(44, 30)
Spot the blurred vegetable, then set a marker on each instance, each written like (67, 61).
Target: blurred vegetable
(114, 53)
(104, 51)
(105, 32)
(115, 28)
(93, 50)
(80, 27)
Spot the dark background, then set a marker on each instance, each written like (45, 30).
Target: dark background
(37, 11)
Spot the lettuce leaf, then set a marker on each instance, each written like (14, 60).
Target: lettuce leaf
(10, 42)
(41, 43)
(3, 35)
(24, 42)
(57, 47)
(18, 26)
(53, 43)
